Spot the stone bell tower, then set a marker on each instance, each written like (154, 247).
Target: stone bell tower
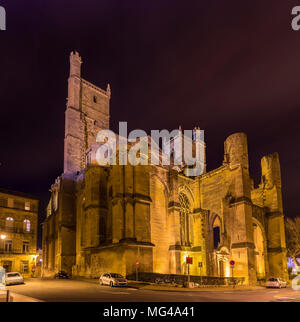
(86, 114)
(272, 201)
(242, 244)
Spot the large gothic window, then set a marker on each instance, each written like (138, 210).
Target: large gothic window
(185, 211)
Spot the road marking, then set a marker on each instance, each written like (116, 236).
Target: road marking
(169, 293)
(284, 297)
(119, 293)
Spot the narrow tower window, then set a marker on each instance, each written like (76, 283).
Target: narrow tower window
(216, 232)
(216, 237)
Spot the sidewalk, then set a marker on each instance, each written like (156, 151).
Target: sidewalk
(14, 297)
(154, 287)
(23, 298)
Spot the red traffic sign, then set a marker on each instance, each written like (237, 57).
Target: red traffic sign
(232, 263)
(189, 260)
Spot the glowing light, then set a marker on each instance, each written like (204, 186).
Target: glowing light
(3, 236)
(227, 270)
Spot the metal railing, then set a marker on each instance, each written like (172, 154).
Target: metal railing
(14, 252)
(15, 230)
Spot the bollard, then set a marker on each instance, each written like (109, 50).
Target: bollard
(7, 296)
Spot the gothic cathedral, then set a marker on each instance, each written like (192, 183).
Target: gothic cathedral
(108, 218)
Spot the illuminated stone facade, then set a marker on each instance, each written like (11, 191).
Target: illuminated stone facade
(18, 231)
(107, 218)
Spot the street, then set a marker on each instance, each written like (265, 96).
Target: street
(84, 291)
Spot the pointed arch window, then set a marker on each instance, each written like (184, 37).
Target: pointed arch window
(185, 211)
(26, 225)
(216, 232)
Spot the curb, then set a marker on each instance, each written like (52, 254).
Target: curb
(15, 297)
(23, 298)
(219, 289)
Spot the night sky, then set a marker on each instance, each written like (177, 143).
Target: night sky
(226, 66)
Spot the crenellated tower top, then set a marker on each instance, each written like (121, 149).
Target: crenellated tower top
(75, 64)
(87, 113)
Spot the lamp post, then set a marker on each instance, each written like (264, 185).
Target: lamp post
(3, 237)
(2, 272)
(189, 261)
(232, 262)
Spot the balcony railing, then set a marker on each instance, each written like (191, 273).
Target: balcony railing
(17, 206)
(15, 230)
(15, 252)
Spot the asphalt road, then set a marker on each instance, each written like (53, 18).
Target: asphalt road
(83, 291)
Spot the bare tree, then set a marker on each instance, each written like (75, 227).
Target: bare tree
(292, 233)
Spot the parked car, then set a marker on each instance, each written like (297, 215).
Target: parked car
(276, 282)
(113, 279)
(62, 275)
(12, 278)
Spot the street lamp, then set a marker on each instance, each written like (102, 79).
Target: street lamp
(2, 237)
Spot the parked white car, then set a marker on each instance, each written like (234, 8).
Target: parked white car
(276, 282)
(113, 279)
(13, 278)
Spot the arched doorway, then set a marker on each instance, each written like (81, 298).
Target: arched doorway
(223, 262)
(259, 251)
